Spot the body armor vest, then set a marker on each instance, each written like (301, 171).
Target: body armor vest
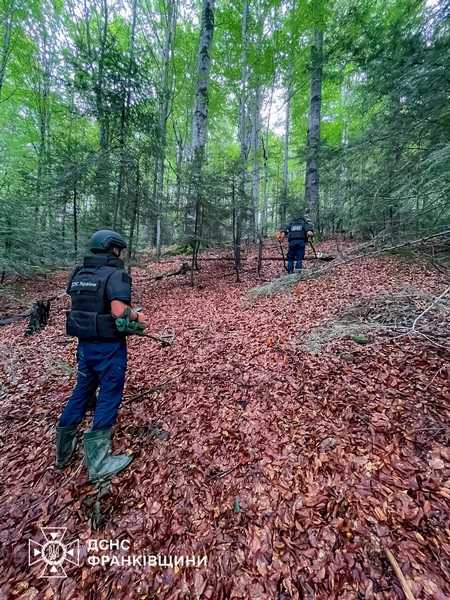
(90, 317)
(297, 232)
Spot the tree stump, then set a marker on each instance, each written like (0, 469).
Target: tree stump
(40, 312)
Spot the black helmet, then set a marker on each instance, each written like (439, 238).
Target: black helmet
(104, 239)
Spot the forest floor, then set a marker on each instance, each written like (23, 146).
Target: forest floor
(298, 474)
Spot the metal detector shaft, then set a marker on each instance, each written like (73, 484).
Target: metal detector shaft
(154, 337)
(313, 249)
(282, 254)
(167, 338)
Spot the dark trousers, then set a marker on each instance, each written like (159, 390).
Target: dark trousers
(296, 252)
(100, 365)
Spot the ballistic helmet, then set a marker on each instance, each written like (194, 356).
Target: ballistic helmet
(104, 239)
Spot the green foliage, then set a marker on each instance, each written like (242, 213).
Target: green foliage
(81, 137)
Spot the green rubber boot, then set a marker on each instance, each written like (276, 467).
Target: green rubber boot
(66, 441)
(97, 453)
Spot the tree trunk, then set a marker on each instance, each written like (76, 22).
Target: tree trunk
(256, 127)
(124, 115)
(42, 91)
(179, 166)
(39, 316)
(340, 203)
(200, 121)
(134, 212)
(75, 221)
(236, 246)
(103, 167)
(284, 191)
(265, 149)
(313, 138)
(243, 136)
(165, 98)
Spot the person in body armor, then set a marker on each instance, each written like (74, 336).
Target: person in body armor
(298, 233)
(100, 291)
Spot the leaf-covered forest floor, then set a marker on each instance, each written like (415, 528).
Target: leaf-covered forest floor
(291, 471)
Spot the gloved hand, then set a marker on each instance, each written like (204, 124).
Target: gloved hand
(124, 325)
(129, 327)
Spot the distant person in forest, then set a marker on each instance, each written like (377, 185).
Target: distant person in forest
(100, 290)
(298, 233)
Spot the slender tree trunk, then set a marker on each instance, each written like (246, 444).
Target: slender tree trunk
(284, 191)
(124, 115)
(134, 212)
(75, 221)
(243, 135)
(63, 220)
(120, 178)
(200, 121)
(236, 246)
(265, 148)
(313, 139)
(255, 137)
(138, 225)
(179, 176)
(165, 98)
(99, 92)
(276, 206)
(265, 207)
(339, 204)
(42, 91)
(103, 175)
(256, 128)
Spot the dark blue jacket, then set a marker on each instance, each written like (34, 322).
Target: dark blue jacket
(92, 287)
(296, 231)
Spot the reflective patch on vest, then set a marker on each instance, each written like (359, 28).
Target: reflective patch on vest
(297, 228)
(84, 285)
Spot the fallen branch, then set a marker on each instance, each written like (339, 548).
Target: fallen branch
(243, 259)
(181, 271)
(59, 488)
(390, 248)
(8, 320)
(325, 258)
(435, 301)
(221, 474)
(158, 386)
(403, 582)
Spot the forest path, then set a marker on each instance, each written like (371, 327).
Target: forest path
(330, 455)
